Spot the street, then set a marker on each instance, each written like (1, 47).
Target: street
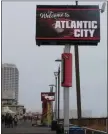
(27, 128)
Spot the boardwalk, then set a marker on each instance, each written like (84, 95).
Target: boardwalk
(26, 128)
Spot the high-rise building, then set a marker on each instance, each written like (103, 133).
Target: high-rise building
(10, 82)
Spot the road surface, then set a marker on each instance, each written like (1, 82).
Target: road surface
(26, 128)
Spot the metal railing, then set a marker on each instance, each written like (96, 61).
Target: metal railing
(93, 131)
(89, 130)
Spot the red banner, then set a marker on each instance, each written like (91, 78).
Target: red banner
(67, 70)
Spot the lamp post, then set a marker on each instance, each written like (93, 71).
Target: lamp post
(102, 11)
(58, 93)
(77, 80)
(56, 75)
(78, 72)
(58, 60)
(51, 90)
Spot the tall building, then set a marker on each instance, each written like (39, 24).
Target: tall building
(10, 82)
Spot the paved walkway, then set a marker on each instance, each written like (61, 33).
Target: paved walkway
(26, 128)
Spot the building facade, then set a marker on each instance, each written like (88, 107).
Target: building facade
(10, 82)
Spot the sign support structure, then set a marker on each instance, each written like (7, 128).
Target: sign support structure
(49, 114)
(68, 25)
(66, 99)
(77, 80)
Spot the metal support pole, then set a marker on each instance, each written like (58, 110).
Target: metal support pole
(55, 112)
(107, 88)
(51, 90)
(66, 100)
(58, 92)
(107, 125)
(77, 80)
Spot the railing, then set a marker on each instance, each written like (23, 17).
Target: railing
(93, 131)
(90, 121)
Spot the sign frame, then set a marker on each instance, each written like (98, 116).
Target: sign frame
(62, 41)
(48, 94)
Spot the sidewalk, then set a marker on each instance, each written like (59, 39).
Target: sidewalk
(26, 128)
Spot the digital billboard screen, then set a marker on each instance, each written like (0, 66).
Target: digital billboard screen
(47, 96)
(60, 25)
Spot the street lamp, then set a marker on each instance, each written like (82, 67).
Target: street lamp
(56, 75)
(103, 7)
(102, 10)
(58, 60)
(77, 70)
(51, 87)
(51, 90)
(58, 92)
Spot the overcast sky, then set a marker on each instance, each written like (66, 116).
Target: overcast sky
(36, 64)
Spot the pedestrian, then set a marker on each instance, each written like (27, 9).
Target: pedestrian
(24, 117)
(6, 120)
(3, 119)
(15, 120)
(10, 121)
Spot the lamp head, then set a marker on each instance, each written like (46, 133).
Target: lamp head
(103, 7)
(51, 89)
(56, 74)
(58, 60)
(52, 85)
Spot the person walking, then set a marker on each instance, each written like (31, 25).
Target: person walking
(10, 121)
(3, 119)
(15, 121)
(6, 119)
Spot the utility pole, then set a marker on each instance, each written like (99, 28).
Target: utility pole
(58, 92)
(77, 80)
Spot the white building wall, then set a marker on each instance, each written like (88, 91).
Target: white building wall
(8, 94)
(10, 80)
